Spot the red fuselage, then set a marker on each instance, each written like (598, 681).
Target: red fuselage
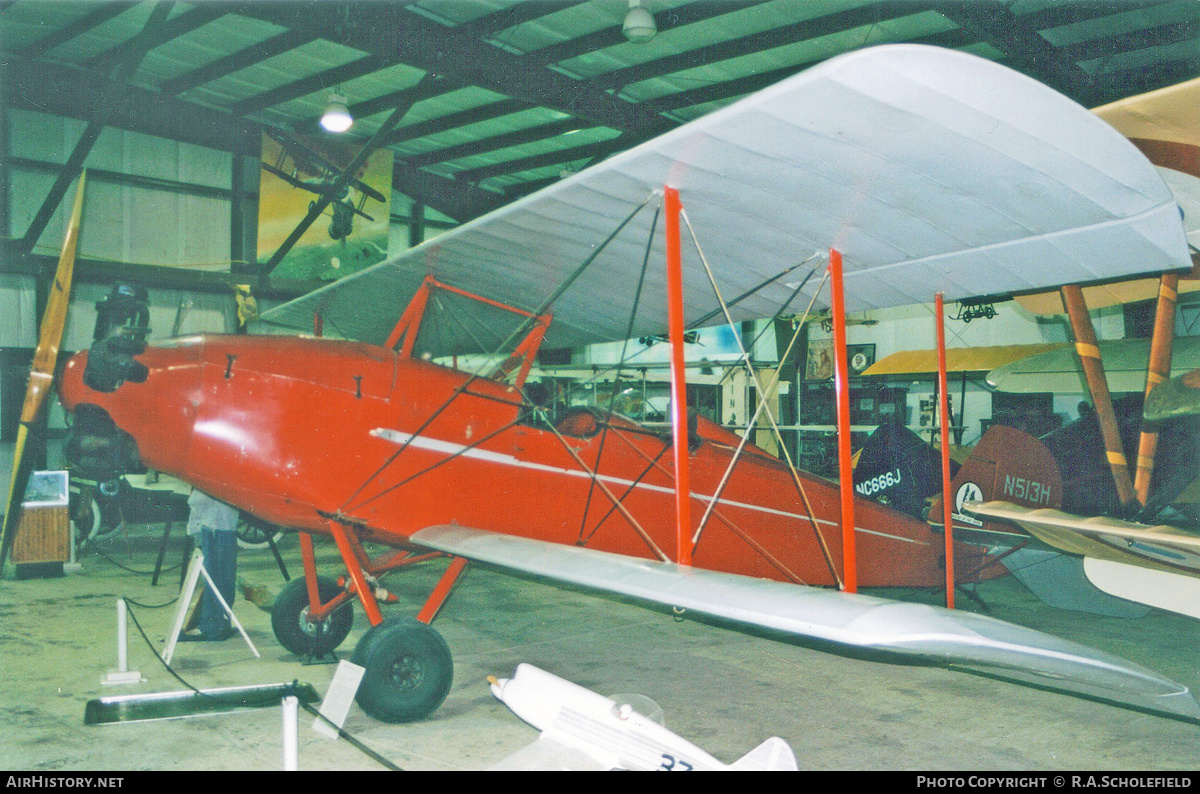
(298, 430)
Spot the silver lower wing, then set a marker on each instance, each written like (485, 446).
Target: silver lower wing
(918, 631)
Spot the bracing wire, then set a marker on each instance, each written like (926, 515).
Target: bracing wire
(637, 298)
(758, 384)
(521, 329)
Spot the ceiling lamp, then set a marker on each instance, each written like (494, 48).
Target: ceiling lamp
(337, 117)
(639, 23)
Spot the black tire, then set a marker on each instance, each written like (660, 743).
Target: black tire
(408, 670)
(293, 629)
(85, 516)
(254, 533)
(93, 519)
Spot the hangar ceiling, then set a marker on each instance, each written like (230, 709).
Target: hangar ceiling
(501, 97)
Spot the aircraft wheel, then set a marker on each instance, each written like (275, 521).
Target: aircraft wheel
(408, 670)
(94, 518)
(86, 518)
(254, 533)
(301, 636)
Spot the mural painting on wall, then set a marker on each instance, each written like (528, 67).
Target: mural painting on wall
(352, 231)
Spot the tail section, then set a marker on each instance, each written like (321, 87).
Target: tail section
(773, 755)
(1012, 466)
(1009, 465)
(896, 468)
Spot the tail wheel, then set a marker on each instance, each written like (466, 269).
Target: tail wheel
(304, 637)
(408, 670)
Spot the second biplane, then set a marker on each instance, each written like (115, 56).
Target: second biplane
(380, 440)
(1116, 489)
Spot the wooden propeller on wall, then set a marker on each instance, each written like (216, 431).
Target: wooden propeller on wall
(45, 359)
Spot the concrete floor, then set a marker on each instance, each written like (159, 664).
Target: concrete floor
(722, 689)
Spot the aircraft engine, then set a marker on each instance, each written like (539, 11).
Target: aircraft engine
(122, 323)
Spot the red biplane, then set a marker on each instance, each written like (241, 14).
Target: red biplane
(932, 171)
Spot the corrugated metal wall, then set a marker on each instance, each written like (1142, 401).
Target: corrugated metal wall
(183, 221)
(123, 222)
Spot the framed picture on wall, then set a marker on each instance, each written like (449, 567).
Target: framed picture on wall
(859, 357)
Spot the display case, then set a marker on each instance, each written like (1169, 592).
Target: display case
(41, 544)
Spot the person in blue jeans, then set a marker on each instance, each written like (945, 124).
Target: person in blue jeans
(213, 525)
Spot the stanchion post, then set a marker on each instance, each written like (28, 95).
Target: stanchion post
(679, 420)
(291, 744)
(944, 410)
(122, 675)
(841, 379)
(122, 636)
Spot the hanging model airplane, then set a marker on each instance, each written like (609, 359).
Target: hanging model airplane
(379, 440)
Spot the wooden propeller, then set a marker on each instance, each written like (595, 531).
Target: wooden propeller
(45, 359)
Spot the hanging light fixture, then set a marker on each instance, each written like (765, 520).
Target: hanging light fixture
(337, 116)
(639, 23)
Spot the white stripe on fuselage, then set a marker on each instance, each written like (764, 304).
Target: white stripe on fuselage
(450, 448)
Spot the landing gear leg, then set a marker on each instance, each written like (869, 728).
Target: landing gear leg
(442, 591)
(353, 556)
(311, 616)
(408, 665)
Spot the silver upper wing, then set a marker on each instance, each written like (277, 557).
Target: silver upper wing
(931, 170)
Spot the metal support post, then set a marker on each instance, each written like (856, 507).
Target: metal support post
(842, 391)
(122, 675)
(679, 423)
(291, 743)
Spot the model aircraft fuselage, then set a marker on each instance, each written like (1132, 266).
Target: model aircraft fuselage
(584, 731)
(300, 430)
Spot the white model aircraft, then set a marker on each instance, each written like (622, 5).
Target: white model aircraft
(582, 730)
